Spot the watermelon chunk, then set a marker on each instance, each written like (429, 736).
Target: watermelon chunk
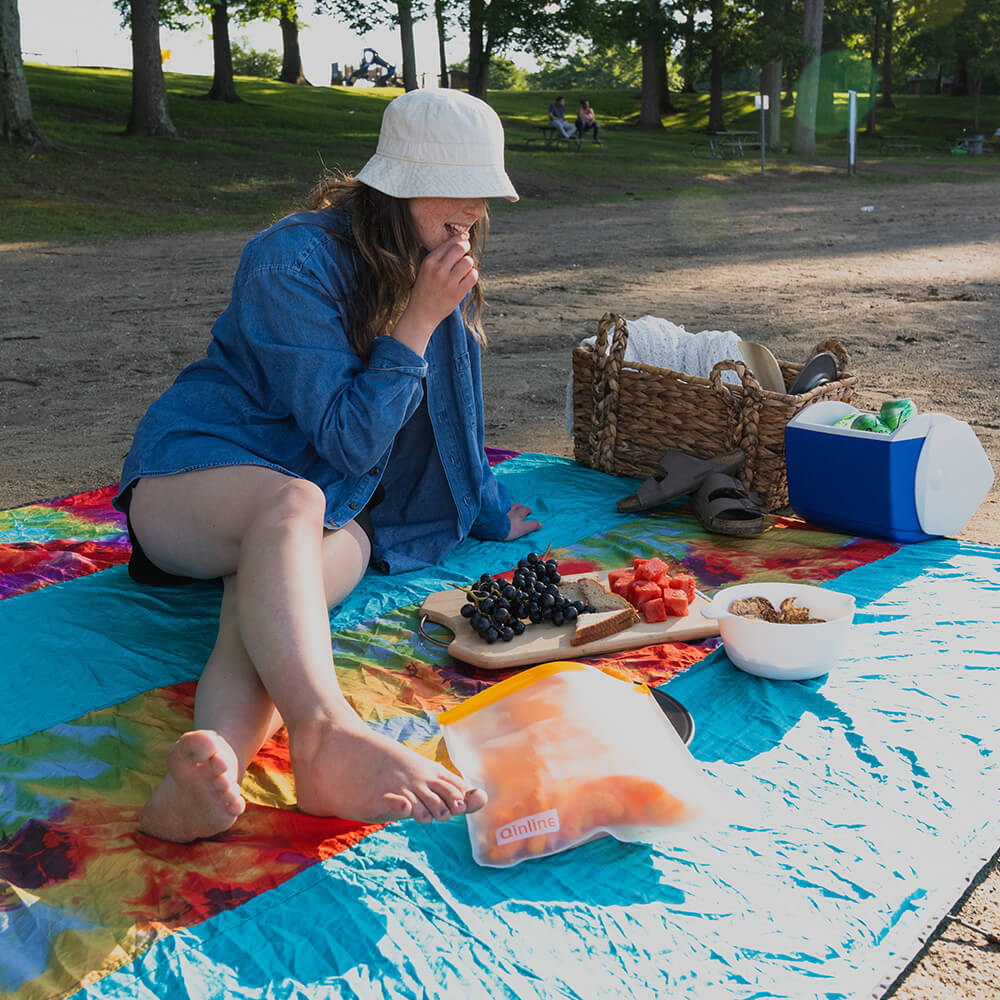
(642, 591)
(620, 580)
(650, 569)
(685, 582)
(654, 610)
(676, 602)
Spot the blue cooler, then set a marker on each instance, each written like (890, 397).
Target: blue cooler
(923, 480)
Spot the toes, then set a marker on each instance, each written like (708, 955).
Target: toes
(221, 783)
(216, 765)
(198, 746)
(439, 800)
(234, 805)
(475, 799)
(451, 792)
(420, 812)
(433, 802)
(399, 805)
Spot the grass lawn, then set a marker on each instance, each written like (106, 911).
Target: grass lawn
(249, 163)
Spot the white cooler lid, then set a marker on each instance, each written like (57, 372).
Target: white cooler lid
(953, 476)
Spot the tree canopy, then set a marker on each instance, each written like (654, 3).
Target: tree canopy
(804, 49)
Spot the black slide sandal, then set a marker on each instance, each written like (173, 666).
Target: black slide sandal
(724, 506)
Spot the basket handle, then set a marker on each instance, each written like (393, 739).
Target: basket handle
(606, 387)
(743, 428)
(837, 349)
(746, 376)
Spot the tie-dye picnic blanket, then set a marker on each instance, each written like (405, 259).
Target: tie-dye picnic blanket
(858, 816)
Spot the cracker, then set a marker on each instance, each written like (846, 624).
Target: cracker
(755, 607)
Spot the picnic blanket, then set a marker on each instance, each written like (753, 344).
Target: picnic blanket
(863, 802)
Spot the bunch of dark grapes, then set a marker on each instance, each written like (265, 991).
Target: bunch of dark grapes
(498, 610)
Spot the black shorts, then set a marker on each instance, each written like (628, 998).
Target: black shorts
(143, 570)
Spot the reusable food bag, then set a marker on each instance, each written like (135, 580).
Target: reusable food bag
(568, 753)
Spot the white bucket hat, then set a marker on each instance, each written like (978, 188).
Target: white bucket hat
(439, 144)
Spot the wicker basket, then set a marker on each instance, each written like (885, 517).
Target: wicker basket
(627, 414)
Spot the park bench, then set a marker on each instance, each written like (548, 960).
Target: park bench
(555, 139)
(900, 144)
(727, 145)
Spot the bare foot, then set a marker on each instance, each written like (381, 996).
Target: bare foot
(352, 772)
(200, 796)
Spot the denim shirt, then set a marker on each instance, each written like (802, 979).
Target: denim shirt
(281, 387)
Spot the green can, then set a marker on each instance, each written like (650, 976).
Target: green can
(869, 422)
(896, 412)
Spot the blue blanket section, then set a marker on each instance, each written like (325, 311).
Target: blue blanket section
(101, 639)
(857, 806)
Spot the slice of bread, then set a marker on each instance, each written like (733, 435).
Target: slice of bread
(600, 624)
(614, 614)
(594, 593)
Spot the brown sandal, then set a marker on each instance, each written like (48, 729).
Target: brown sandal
(682, 474)
(724, 506)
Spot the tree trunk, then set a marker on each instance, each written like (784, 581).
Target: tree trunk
(223, 86)
(17, 124)
(688, 57)
(804, 122)
(149, 114)
(770, 86)
(651, 45)
(666, 104)
(977, 90)
(649, 102)
(716, 122)
(886, 100)
(716, 117)
(404, 9)
(479, 63)
(442, 38)
(870, 127)
(291, 56)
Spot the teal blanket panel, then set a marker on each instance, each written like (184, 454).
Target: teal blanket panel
(102, 638)
(854, 809)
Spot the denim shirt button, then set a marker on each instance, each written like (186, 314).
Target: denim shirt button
(353, 505)
(373, 472)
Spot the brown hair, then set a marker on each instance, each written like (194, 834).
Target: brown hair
(390, 253)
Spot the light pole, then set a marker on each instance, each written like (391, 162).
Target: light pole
(761, 102)
(852, 131)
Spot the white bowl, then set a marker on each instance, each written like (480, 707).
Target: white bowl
(784, 652)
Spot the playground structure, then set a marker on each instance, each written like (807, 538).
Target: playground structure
(374, 68)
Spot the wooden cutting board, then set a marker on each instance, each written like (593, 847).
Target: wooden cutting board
(543, 642)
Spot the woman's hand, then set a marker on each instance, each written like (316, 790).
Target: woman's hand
(519, 523)
(446, 275)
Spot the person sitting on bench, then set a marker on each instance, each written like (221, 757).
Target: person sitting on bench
(557, 119)
(585, 118)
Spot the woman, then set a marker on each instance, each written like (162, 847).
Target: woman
(336, 419)
(585, 118)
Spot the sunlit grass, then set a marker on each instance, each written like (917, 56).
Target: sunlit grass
(245, 164)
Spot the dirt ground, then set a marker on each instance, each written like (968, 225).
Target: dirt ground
(905, 276)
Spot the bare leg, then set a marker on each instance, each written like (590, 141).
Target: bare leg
(269, 530)
(233, 717)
